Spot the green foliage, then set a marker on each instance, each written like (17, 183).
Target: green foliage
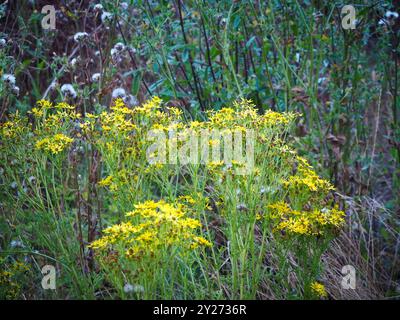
(200, 55)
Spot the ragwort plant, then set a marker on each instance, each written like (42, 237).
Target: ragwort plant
(83, 193)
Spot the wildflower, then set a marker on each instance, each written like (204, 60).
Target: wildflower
(118, 93)
(299, 226)
(187, 199)
(119, 46)
(55, 144)
(31, 179)
(106, 17)
(196, 124)
(306, 179)
(16, 244)
(74, 62)
(200, 241)
(124, 5)
(157, 225)
(322, 80)
(272, 118)
(68, 90)
(391, 14)
(131, 49)
(106, 181)
(96, 77)
(44, 104)
(319, 289)
(98, 7)
(310, 223)
(9, 79)
(64, 106)
(15, 90)
(115, 55)
(128, 288)
(80, 37)
(335, 217)
(3, 43)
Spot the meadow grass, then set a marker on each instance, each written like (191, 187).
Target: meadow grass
(324, 101)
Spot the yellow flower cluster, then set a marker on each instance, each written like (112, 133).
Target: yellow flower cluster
(244, 115)
(54, 144)
(118, 120)
(42, 107)
(149, 107)
(106, 181)
(314, 222)
(272, 118)
(306, 179)
(187, 199)
(318, 289)
(13, 128)
(152, 226)
(121, 134)
(296, 204)
(118, 180)
(123, 120)
(9, 287)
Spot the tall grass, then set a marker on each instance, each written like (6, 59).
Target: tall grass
(198, 56)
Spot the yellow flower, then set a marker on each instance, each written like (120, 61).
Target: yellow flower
(311, 223)
(153, 226)
(44, 104)
(175, 112)
(319, 289)
(37, 112)
(54, 144)
(146, 236)
(307, 179)
(13, 128)
(187, 199)
(196, 124)
(64, 106)
(200, 241)
(106, 181)
(272, 118)
(91, 116)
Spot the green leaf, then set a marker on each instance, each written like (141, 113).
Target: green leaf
(136, 83)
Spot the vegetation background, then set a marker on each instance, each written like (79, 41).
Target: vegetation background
(289, 55)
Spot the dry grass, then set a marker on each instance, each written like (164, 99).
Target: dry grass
(370, 243)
